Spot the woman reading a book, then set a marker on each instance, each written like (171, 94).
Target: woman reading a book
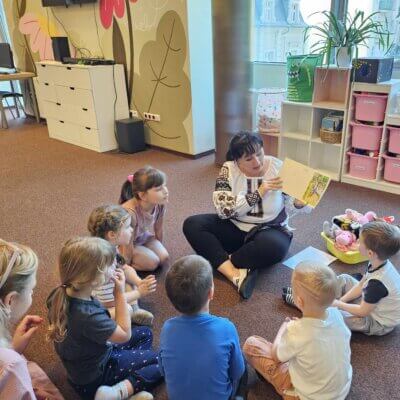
(250, 229)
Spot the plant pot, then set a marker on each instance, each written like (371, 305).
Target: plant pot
(344, 56)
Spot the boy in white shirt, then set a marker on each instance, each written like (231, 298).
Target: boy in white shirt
(378, 291)
(310, 356)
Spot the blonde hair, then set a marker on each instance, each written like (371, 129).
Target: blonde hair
(81, 261)
(18, 263)
(107, 218)
(317, 280)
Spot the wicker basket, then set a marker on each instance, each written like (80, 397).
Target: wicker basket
(330, 136)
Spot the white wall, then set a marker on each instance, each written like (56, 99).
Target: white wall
(201, 74)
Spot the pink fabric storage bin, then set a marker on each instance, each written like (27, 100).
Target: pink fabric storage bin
(394, 140)
(370, 107)
(366, 137)
(363, 166)
(392, 169)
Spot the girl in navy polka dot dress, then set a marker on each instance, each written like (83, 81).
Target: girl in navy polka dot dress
(104, 359)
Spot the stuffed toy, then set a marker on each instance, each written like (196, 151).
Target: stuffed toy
(358, 217)
(344, 240)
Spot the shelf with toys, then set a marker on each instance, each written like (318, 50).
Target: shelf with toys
(311, 133)
(372, 137)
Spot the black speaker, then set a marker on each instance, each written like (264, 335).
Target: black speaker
(60, 47)
(130, 135)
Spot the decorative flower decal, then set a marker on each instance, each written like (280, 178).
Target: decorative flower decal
(109, 7)
(39, 32)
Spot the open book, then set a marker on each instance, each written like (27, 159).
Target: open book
(303, 183)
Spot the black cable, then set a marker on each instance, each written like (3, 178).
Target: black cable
(115, 102)
(78, 49)
(97, 30)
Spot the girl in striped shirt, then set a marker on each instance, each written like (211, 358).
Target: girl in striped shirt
(113, 223)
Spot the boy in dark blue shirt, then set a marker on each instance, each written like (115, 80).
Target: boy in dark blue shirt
(200, 353)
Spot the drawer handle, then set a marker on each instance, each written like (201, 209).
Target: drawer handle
(86, 127)
(46, 84)
(58, 104)
(62, 122)
(72, 88)
(69, 68)
(84, 109)
(43, 65)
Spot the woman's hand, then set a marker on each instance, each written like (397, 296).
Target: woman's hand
(119, 280)
(24, 332)
(270, 184)
(147, 285)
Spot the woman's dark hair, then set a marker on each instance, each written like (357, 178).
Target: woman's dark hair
(142, 180)
(243, 143)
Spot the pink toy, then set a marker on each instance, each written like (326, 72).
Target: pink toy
(345, 240)
(358, 217)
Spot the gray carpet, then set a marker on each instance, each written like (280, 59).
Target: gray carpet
(48, 188)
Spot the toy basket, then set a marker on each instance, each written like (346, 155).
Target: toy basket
(330, 136)
(348, 257)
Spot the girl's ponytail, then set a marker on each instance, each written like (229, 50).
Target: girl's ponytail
(126, 192)
(141, 181)
(81, 261)
(57, 303)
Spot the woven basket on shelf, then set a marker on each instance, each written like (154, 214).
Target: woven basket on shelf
(330, 136)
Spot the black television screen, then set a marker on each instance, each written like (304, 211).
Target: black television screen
(51, 3)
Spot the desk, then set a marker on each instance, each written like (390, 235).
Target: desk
(20, 76)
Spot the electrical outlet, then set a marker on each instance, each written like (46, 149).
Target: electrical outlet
(152, 117)
(134, 113)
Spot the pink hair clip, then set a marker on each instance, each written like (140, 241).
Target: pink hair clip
(130, 178)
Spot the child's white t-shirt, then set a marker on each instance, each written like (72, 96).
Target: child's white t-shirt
(318, 352)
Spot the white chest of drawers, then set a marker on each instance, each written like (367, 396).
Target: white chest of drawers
(82, 102)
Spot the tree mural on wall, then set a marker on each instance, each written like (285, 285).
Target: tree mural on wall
(161, 65)
(161, 69)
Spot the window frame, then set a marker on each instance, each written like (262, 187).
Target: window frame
(339, 7)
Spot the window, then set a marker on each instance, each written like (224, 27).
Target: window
(389, 10)
(268, 11)
(279, 25)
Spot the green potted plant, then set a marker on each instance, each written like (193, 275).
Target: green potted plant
(343, 38)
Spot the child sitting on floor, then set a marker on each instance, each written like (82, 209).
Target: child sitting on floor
(310, 357)
(105, 359)
(113, 223)
(200, 353)
(378, 291)
(144, 196)
(19, 379)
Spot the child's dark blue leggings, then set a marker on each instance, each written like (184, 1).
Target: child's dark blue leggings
(133, 360)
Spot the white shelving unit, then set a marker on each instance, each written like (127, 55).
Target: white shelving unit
(299, 138)
(391, 88)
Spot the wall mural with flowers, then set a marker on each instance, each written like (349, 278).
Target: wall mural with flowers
(149, 37)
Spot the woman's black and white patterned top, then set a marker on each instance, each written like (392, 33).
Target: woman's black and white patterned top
(236, 196)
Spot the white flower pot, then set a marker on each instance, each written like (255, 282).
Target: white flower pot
(344, 56)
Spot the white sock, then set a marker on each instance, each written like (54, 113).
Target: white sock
(116, 392)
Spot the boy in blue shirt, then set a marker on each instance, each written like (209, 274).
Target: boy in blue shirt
(200, 354)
